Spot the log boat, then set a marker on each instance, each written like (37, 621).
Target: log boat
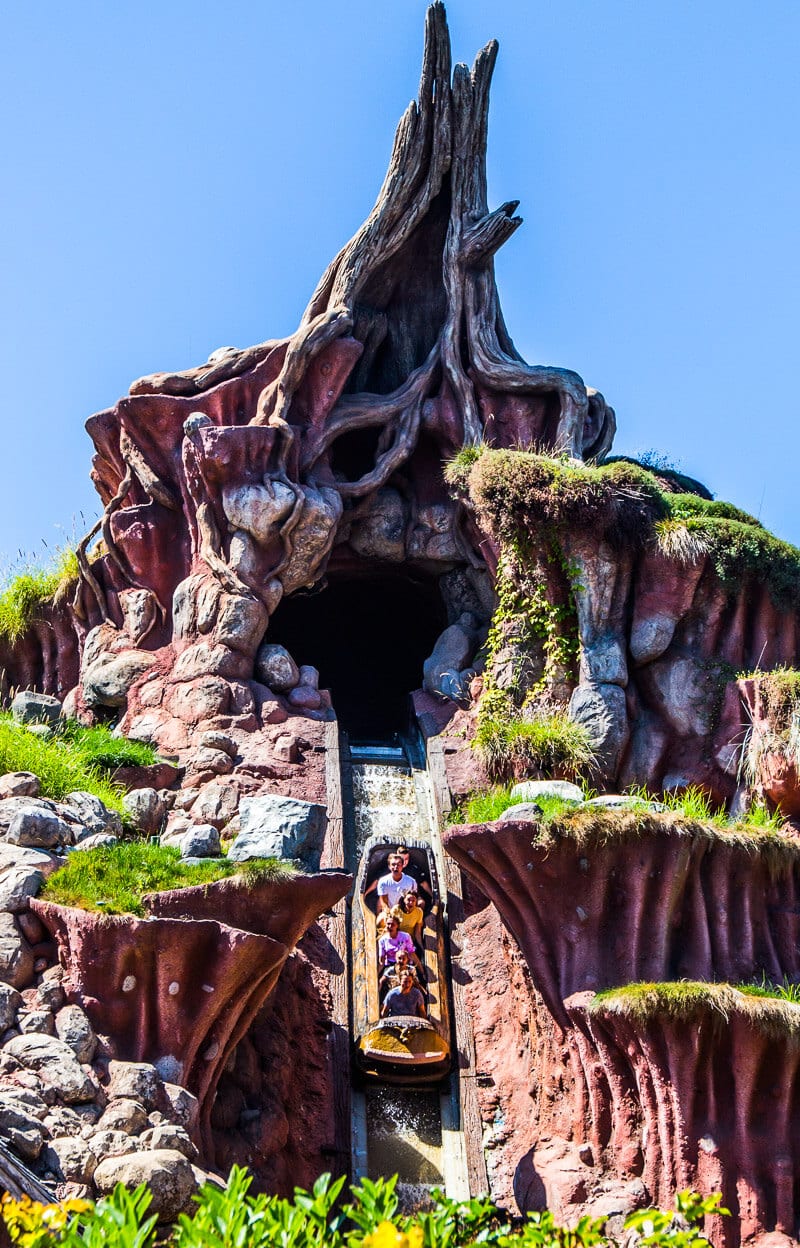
(399, 1050)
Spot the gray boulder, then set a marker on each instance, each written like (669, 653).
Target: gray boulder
(167, 1173)
(95, 841)
(70, 1158)
(279, 827)
(107, 681)
(27, 1143)
(39, 829)
(56, 1065)
(19, 784)
(380, 533)
(201, 841)
(22, 871)
(446, 671)
(184, 1106)
(167, 1135)
(16, 955)
(73, 1027)
(602, 710)
(619, 801)
(523, 811)
(216, 740)
(138, 1081)
(113, 1144)
(123, 1114)
(10, 1002)
(36, 1020)
(146, 810)
(216, 803)
(532, 790)
(35, 708)
(61, 1120)
(275, 668)
(15, 1116)
(92, 814)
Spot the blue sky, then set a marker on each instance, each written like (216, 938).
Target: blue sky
(176, 176)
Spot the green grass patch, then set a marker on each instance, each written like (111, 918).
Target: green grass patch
(115, 878)
(630, 504)
(670, 479)
(57, 762)
(99, 747)
(486, 806)
(32, 588)
(786, 991)
(689, 1001)
(515, 491)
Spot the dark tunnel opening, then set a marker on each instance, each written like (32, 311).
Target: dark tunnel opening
(369, 638)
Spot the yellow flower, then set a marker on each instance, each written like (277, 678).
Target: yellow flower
(388, 1235)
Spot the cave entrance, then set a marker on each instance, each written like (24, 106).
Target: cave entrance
(369, 637)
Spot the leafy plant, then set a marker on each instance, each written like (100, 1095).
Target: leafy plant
(785, 991)
(117, 1221)
(114, 878)
(680, 1228)
(693, 803)
(231, 1217)
(540, 1230)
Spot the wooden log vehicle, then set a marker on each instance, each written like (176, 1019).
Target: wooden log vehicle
(400, 1050)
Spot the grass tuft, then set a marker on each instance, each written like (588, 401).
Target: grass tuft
(484, 807)
(99, 747)
(114, 878)
(786, 991)
(687, 1001)
(33, 587)
(59, 764)
(676, 541)
(551, 743)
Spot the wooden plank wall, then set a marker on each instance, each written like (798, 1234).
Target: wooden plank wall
(471, 1122)
(335, 927)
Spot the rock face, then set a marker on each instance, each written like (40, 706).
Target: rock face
(137, 978)
(271, 471)
(578, 1123)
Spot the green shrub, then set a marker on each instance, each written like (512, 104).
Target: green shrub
(114, 878)
(59, 764)
(32, 588)
(518, 491)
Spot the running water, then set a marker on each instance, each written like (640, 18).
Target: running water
(385, 803)
(403, 1125)
(404, 1132)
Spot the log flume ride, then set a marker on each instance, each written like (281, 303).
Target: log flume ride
(402, 1049)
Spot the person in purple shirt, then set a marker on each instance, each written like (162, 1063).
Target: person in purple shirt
(392, 941)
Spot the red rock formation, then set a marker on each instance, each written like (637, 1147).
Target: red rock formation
(594, 1111)
(186, 988)
(631, 897)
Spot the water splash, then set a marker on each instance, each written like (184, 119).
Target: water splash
(404, 1130)
(385, 803)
